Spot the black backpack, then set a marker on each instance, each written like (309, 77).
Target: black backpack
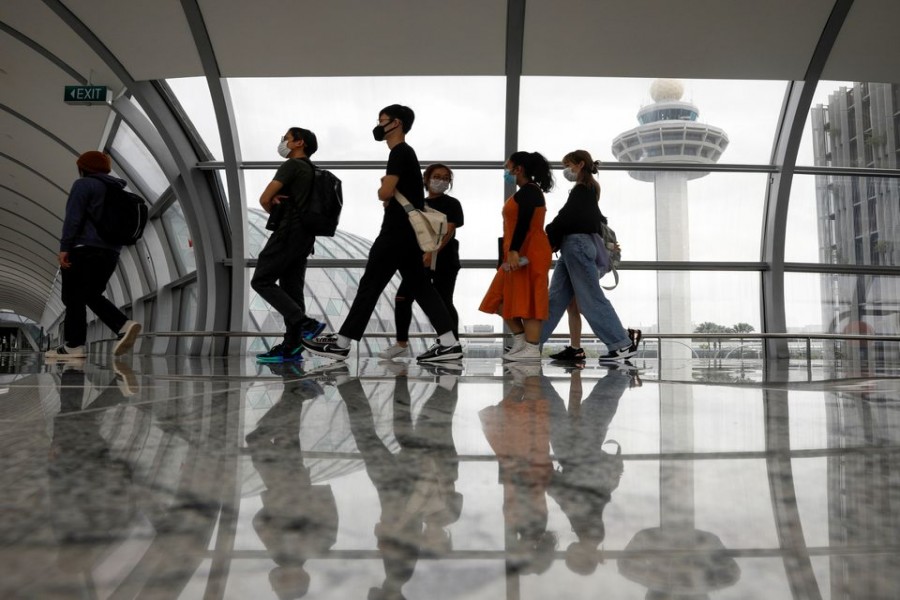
(320, 213)
(123, 215)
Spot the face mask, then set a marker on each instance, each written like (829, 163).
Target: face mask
(508, 177)
(438, 186)
(283, 150)
(379, 131)
(569, 174)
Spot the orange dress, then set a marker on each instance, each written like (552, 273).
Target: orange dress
(522, 293)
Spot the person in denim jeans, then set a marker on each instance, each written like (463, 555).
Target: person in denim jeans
(576, 275)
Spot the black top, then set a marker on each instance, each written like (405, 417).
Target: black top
(404, 164)
(451, 207)
(580, 214)
(296, 176)
(528, 198)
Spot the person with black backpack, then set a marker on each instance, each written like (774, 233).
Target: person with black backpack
(87, 259)
(281, 265)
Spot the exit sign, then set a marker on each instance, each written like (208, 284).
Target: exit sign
(86, 94)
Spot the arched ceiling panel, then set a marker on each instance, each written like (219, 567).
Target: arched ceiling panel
(349, 37)
(703, 39)
(151, 39)
(866, 48)
(30, 195)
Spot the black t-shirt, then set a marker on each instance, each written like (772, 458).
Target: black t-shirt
(404, 164)
(529, 197)
(451, 207)
(296, 176)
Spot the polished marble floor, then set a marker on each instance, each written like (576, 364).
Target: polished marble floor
(176, 477)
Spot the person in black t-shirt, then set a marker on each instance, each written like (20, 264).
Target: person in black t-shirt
(281, 265)
(438, 179)
(395, 249)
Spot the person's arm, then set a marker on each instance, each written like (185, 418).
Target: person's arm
(270, 196)
(388, 188)
(76, 215)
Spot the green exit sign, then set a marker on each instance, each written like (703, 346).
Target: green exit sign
(86, 94)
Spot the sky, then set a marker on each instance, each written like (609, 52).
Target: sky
(462, 118)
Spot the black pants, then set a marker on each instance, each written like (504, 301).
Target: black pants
(443, 279)
(391, 253)
(83, 285)
(281, 273)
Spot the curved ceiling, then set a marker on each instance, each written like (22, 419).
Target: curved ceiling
(43, 50)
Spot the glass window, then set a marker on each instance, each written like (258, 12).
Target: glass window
(142, 165)
(193, 95)
(560, 114)
(179, 238)
(456, 117)
(835, 231)
(187, 315)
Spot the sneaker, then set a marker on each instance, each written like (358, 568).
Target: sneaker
(287, 370)
(528, 352)
(439, 353)
(394, 369)
(620, 354)
(517, 343)
(312, 329)
(327, 346)
(125, 379)
(395, 351)
(66, 352)
(635, 336)
(127, 336)
(439, 369)
(522, 371)
(273, 355)
(569, 353)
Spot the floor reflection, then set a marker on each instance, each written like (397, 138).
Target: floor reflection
(177, 477)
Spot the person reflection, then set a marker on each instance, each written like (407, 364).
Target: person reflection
(518, 430)
(298, 520)
(91, 490)
(590, 466)
(417, 485)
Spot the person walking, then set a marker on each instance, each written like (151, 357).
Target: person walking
(87, 262)
(281, 265)
(576, 275)
(445, 268)
(518, 291)
(395, 249)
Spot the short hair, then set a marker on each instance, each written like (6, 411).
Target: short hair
(404, 113)
(309, 139)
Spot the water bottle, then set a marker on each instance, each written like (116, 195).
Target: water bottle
(523, 260)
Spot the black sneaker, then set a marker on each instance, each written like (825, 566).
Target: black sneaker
(569, 353)
(289, 354)
(617, 355)
(438, 353)
(635, 336)
(326, 346)
(274, 355)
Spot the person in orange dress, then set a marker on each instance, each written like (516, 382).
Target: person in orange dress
(519, 291)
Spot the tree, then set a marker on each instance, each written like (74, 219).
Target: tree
(743, 328)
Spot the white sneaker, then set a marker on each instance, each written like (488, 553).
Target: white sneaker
(127, 336)
(66, 352)
(395, 351)
(528, 352)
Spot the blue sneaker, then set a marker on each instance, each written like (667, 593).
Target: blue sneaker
(274, 355)
(312, 329)
(291, 354)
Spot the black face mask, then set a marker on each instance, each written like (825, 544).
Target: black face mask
(379, 131)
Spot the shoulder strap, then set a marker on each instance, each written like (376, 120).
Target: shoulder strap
(406, 204)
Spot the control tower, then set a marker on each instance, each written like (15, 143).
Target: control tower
(669, 132)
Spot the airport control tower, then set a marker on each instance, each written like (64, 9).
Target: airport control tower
(669, 132)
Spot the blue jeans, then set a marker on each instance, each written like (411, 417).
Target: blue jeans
(575, 275)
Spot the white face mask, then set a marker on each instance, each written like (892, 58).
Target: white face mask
(283, 150)
(438, 186)
(569, 174)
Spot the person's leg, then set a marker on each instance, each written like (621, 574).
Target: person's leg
(561, 293)
(597, 310)
(276, 262)
(102, 265)
(74, 293)
(533, 330)
(382, 264)
(444, 280)
(403, 302)
(293, 279)
(574, 323)
(410, 265)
